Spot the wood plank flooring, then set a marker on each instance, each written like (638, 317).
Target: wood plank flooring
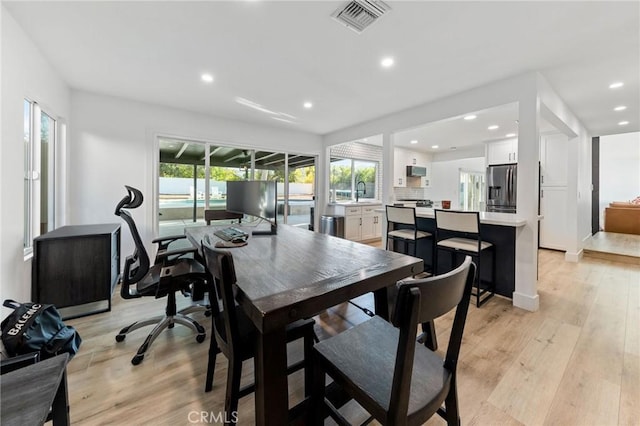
(574, 362)
(614, 246)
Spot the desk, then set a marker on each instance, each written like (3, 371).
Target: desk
(297, 274)
(29, 392)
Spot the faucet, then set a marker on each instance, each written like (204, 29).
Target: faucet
(364, 189)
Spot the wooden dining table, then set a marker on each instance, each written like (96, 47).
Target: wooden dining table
(297, 274)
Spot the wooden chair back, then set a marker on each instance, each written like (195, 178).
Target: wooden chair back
(219, 264)
(421, 301)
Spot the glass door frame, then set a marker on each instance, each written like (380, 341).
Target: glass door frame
(207, 165)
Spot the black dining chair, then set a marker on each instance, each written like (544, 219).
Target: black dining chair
(234, 334)
(382, 368)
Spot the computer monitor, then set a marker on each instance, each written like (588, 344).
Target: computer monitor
(255, 198)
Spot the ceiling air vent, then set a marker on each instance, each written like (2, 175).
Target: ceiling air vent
(359, 14)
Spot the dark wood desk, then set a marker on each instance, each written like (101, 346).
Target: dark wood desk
(30, 392)
(297, 274)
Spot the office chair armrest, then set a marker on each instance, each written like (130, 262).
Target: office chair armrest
(163, 242)
(165, 255)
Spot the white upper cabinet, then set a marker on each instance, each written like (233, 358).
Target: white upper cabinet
(403, 158)
(502, 152)
(554, 158)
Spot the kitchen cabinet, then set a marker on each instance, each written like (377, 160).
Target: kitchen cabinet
(554, 158)
(371, 226)
(403, 158)
(502, 152)
(553, 226)
(361, 223)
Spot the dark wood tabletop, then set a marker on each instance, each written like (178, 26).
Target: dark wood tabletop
(297, 274)
(29, 393)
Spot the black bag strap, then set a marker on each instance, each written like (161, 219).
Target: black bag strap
(60, 340)
(10, 303)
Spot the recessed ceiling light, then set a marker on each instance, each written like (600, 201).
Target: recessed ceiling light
(493, 127)
(207, 78)
(307, 105)
(470, 117)
(620, 108)
(387, 62)
(510, 135)
(435, 146)
(623, 123)
(616, 85)
(413, 142)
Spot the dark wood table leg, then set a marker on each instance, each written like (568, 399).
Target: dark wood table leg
(380, 299)
(272, 394)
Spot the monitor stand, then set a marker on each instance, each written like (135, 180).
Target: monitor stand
(272, 231)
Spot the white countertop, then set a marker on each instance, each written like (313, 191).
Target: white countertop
(489, 218)
(356, 204)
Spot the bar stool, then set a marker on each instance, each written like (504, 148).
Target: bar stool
(408, 234)
(458, 232)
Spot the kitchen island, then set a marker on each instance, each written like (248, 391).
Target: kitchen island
(500, 229)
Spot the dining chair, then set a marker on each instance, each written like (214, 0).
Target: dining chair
(233, 332)
(378, 363)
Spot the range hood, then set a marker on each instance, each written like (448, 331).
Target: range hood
(416, 171)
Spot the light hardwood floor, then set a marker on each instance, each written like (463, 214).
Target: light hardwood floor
(574, 362)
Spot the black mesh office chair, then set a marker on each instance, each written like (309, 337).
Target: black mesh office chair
(171, 272)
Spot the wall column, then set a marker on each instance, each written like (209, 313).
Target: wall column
(525, 295)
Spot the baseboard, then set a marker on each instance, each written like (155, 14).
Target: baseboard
(574, 257)
(526, 302)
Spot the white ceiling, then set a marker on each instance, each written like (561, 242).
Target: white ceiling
(280, 54)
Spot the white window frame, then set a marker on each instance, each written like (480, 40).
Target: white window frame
(33, 173)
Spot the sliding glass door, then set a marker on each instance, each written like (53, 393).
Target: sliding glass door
(192, 178)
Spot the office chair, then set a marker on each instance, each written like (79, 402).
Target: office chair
(382, 368)
(170, 273)
(233, 333)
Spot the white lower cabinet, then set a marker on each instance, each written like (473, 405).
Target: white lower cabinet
(353, 227)
(361, 223)
(371, 227)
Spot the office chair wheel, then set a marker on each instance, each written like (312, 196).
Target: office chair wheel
(137, 359)
(171, 325)
(207, 313)
(120, 337)
(200, 338)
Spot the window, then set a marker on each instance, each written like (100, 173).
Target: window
(39, 142)
(348, 176)
(187, 168)
(471, 190)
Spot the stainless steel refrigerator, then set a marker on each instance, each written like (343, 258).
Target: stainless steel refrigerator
(501, 188)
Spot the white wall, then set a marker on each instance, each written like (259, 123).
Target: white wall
(113, 143)
(445, 178)
(619, 169)
(25, 74)
(578, 168)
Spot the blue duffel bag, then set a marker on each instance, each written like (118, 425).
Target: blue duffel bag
(36, 327)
